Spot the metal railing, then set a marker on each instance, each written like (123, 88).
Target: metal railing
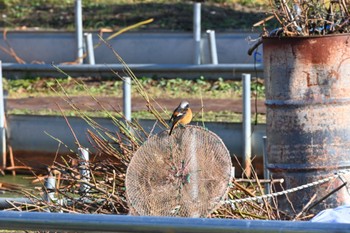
(10, 220)
(208, 71)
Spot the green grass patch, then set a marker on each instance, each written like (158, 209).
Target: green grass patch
(156, 88)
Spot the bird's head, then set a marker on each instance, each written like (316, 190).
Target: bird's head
(184, 104)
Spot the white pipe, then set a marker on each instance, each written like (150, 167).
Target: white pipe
(84, 168)
(89, 48)
(197, 32)
(127, 98)
(79, 30)
(2, 122)
(246, 122)
(212, 47)
(50, 185)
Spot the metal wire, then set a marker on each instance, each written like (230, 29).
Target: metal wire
(298, 188)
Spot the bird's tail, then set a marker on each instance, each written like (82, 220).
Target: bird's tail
(171, 129)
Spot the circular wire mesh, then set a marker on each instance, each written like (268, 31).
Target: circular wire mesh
(186, 174)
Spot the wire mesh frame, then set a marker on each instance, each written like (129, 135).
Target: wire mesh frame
(186, 174)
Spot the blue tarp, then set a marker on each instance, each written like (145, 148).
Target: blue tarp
(340, 214)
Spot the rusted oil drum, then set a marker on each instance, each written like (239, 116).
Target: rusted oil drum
(308, 116)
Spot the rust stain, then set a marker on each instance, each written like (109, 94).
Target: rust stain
(308, 127)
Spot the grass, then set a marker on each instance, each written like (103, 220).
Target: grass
(221, 15)
(157, 88)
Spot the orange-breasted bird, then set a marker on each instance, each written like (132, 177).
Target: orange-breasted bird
(181, 115)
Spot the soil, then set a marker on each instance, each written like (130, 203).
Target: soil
(138, 104)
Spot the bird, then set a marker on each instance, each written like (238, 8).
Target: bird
(182, 115)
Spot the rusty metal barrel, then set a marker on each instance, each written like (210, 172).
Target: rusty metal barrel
(308, 116)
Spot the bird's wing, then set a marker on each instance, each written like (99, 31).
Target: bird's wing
(178, 112)
(173, 116)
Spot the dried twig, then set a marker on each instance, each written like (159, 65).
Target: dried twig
(310, 17)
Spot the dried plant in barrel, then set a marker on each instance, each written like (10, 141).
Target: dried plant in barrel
(305, 18)
(185, 174)
(309, 17)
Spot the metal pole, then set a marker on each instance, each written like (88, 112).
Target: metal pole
(226, 71)
(266, 171)
(6, 202)
(246, 124)
(127, 98)
(89, 48)
(79, 30)
(212, 47)
(69, 222)
(84, 169)
(50, 185)
(2, 122)
(197, 32)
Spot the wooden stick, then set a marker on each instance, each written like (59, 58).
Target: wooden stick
(12, 161)
(17, 167)
(264, 20)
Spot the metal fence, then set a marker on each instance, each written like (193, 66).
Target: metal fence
(10, 220)
(208, 71)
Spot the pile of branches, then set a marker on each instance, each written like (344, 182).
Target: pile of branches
(308, 17)
(100, 188)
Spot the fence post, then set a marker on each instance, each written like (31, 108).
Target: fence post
(197, 32)
(212, 47)
(2, 122)
(79, 31)
(50, 186)
(246, 124)
(89, 48)
(84, 169)
(127, 98)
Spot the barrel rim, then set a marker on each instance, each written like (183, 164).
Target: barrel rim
(267, 38)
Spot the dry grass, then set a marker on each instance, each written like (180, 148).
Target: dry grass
(308, 17)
